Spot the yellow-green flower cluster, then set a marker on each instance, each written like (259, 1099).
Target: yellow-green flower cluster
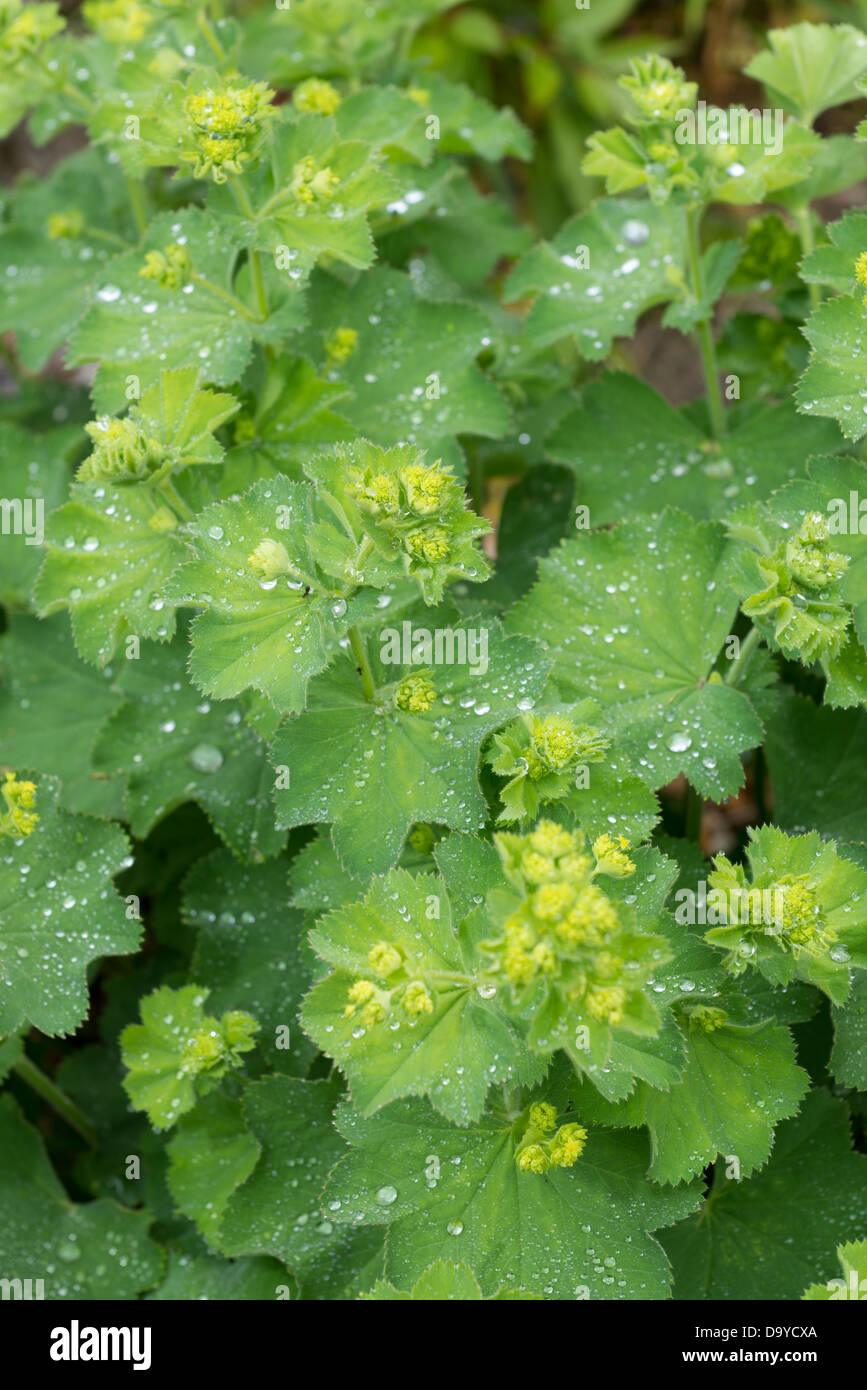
(218, 1043)
(397, 987)
(122, 452)
(67, 225)
(171, 268)
(119, 21)
(541, 1148)
(316, 96)
(19, 818)
(811, 621)
(788, 910)
(861, 271)
(565, 932)
(341, 345)
(270, 559)
(225, 123)
(310, 184)
(416, 693)
(25, 28)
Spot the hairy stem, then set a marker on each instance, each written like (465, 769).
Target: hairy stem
(229, 298)
(175, 501)
(239, 193)
(804, 225)
(706, 344)
(57, 1099)
(208, 30)
(359, 652)
(136, 195)
(742, 660)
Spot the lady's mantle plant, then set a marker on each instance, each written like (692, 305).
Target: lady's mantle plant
(357, 817)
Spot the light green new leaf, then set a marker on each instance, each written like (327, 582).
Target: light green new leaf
(833, 383)
(852, 1284)
(211, 1154)
(452, 1049)
(670, 462)
(810, 67)
(178, 1052)
(36, 479)
(52, 708)
(272, 631)
(443, 1282)
(412, 367)
(575, 1232)
(373, 768)
(90, 1250)
(811, 1195)
(279, 1210)
(250, 956)
(632, 253)
(635, 618)
(737, 1084)
(58, 911)
(172, 746)
(108, 559)
(833, 263)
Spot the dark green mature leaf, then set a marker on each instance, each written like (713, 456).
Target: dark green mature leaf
(192, 1278)
(577, 1232)
(91, 1250)
(827, 793)
(635, 618)
(600, 273)
(35, 481)
(172, 746)
(372, 767)
(669, 462)
(811, 1195)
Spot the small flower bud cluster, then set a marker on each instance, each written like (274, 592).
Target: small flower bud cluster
(225, 124)
(316, 96)
(25, 28)
(310, 184)
(861, 271)
(171, 268)
(270, 559)
(811, 621)
(541, 1148)
(658, 91)
(218, 1044)
(416, 693)
(566, 933)
(19, 818)
(341, 345)
(797, 923)
(65, 226)
(119, 21)
(122, 452)
(397, 987)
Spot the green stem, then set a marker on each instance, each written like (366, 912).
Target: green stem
(476, 482)
(57, 1099)
(759, 771)
(135, 193)
(706, 344)
(692, 815)
(356, 642)
(804, 224)
(210, 34)
(742, 660)
(175, 501)
(239, 193)
(229, 298)
(97, 234)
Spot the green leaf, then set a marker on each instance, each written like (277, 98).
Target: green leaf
(172, 746)
(655, 606)
(136, 327)
(177, 1052)
(90, 1250)
(47, 278)
(834, 263)
(247, 955)
(853, 1263)
(670, 462)
(633, 252)
(412, 369)
(810, 67)
(832, 384)
(191, 1278)
(811, 1195)
(374, 767)
(827, 793)
(738, 1083)
(452, 1049)
(565, 1233)
(58, 911)
(52, 708)
(287, 1218)
(443, 1282)
(35, 481)
(108, 559)
(262, 631)
(471, 125)
(211, 1154)
(849, 1057)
